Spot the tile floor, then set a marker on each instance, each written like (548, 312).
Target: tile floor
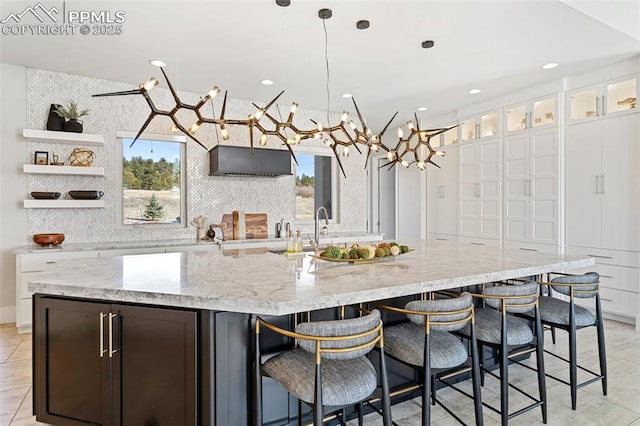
(620, 407)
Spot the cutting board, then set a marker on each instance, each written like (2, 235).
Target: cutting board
(255, 225)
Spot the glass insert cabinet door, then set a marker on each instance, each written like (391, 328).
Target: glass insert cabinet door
(613, 97)
(468, 129)
(517, 118)
(489, 125)
(544, 112)
(532, 114)
(620, 96)
(450, 137)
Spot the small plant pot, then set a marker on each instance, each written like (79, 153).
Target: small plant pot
(74, 126)
(54, 121)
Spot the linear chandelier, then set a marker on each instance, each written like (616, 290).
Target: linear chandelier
(344, 134)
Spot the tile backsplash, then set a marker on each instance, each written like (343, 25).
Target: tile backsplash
(210, 196)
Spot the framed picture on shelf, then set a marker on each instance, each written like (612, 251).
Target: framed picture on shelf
(41, 157)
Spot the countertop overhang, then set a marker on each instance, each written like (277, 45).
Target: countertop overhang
(257, 281)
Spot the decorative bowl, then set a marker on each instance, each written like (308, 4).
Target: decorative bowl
(48, 239)
(86, 195)
(41, 195)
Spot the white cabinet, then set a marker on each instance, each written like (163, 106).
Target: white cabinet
(442, 194)
(480, 196)
(614, 97)
(531, 187)
(481, 126)
(534, 114)
(603, 183)
(26, 265)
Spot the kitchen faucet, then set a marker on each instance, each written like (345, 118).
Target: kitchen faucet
(326, 222)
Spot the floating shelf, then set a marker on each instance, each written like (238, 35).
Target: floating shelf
(62, 137)
(62, 170)
(63, 204)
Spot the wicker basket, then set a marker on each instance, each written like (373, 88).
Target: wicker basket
(81, 157)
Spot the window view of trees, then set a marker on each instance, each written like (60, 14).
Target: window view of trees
(151, 184)
(312, 191)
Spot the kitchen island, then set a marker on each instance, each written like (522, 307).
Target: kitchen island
(178, 324)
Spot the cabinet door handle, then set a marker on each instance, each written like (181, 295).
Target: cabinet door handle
(477, 244)
(50, 262)
(102, 350)
(603, 105)
(606, 300)
(111, 350)
(602, 257)
(527, 249)
(597, 184)
(526, 187)
(530, 125)
(606, 276)
(597, 106)
(602, 184)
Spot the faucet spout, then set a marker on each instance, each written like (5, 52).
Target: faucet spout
(317, 222)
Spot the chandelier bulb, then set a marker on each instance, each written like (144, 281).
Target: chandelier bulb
(368, 132)
(400, 132)
(375, 147)
(391, 156)
(345, 152)
(297, 138)
(291, 141)
(174, 128)
(352, 125)
(320, 126)
(259, 113)
(345, 116)
(410, 125)
(317, 135)
(420, 165)
(440, 153)
(150, 84)
(213, 92)
(263, 140)
(405, 163)
(294, 107)
(194, 128)
(327, 142)
(224, 132)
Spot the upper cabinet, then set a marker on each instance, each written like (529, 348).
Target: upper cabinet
(450, 137)
(594, 102)
(480, 126)
(537, 113)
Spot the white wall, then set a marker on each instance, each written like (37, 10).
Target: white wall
(13, 219)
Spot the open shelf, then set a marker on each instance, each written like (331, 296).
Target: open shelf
(62, 170)
(63, 204)
(62, 137)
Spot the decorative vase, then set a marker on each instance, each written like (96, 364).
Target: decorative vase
(73, 125)
(55, 122)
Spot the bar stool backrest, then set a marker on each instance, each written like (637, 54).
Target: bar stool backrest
(453, 305)
(345, 335)
(591, 279)
(513, 305)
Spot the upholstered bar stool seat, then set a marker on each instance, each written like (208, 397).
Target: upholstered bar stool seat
(553, 310)
(488, 328)
(344, 382)
(406, 343)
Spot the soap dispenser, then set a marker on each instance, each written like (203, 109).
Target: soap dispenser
(299, 244)
(291, 244)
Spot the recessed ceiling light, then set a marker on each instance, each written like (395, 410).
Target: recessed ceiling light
(549, 66)
(428, 44)
(267, 82)
(475, 91)
(283, 3)
(422, 108)
(157, 63)
(347, 95)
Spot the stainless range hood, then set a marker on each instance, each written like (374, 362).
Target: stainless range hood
(239, 160)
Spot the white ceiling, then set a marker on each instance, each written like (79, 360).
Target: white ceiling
(497, 46)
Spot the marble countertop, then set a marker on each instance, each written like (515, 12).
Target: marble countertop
(257, 281)
(271, 242)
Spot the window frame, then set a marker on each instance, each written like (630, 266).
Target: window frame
(335, 199)
(121, 136)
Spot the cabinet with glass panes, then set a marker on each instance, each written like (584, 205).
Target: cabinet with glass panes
(598, 101)
(536, 113)
(450, 137)
(480, 126)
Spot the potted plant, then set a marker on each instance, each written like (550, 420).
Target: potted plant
(72, 114)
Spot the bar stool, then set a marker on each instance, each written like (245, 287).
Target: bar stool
(511, 337)
(329, 368)
(568, 316)
(425, 343)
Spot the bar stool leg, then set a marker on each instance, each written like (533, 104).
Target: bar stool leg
(573, 358)
(426, 383)
(542, 387)
(601, 346)
(504, 374)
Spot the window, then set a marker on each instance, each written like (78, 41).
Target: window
(153, 181)
(315, 185)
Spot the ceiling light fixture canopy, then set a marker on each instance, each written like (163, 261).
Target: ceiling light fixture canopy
(428, 44)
